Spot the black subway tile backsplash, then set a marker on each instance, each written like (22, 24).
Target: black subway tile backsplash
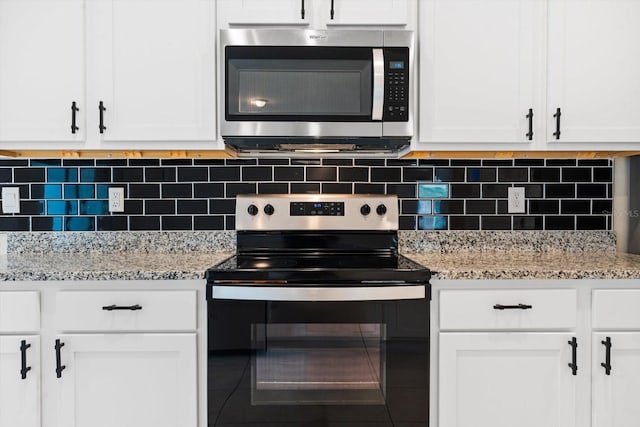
(187, 194)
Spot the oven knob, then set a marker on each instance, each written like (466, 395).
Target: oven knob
(268, 209)
(365, 210)
(253, 210)
(381, 210)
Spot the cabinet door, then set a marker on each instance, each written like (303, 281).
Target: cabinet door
(41, 70)
(272, 12)
(615, 396)
(365, 12)
(153, 67)
(480, 70)
(19, 398)
(594, 64)
(128, 381)
(502, 380)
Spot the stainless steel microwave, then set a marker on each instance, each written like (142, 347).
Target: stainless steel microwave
(325, 91)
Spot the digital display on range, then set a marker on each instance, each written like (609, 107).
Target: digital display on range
(316, 208)
(396, 65)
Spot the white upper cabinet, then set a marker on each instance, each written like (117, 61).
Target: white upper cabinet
(152, 66)
(273, 12)
(42, 74)
(317, 14)
(594, 64)
(481, 72)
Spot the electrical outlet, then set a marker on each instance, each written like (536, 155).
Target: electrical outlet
(517, 201)
(10, 200)
(116, 199)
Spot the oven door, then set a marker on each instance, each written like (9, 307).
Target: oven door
(286, 361)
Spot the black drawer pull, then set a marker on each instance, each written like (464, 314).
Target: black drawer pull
(302, 12)
(102, 109)
(333, 11)
(574, 356)
(607, 358)
(74, 109)
(59, 366)
(557, 117)
(122, 307)
(23, 356)
(512, 307)
(530, 117)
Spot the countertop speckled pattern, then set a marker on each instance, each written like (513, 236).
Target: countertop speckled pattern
(559, 265)
(112, 266)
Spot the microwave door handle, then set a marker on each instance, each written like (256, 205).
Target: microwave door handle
(377, 108)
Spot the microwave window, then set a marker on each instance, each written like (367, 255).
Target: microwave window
(299, 87)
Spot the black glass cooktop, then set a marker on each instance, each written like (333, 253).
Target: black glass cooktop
(309, 268)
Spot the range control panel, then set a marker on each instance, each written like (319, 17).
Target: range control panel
(396, 67)
(316, 212)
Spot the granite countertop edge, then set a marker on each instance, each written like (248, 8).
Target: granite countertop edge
(192, 266)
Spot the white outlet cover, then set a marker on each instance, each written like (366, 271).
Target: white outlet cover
(116, 199)
(10, 200)
(517, 202)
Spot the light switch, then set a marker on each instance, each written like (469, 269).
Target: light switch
(10, 200)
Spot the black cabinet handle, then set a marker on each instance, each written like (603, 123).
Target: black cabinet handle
(122, 307)
(607, 358)
(102, 109)
(23, 356)
(333, 11)
(59, 366)
(74, 109)
(530, 117)
(557, 116)
(302, 12)
(512, 307)
(574, 355)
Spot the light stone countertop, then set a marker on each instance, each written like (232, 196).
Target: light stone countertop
(108, 266)
(528, 265)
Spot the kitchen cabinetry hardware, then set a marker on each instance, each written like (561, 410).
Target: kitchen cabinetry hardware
(574, 355)
(607, 358)
(122, 307)
(23, 356)
(74, 109)
(302, 12)
(59, 366)
(333, 11)
(557, 117)
(102, 109)
(530, 117)
(512, 307)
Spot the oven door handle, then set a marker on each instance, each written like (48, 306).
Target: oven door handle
(377, 108)
(250, 292)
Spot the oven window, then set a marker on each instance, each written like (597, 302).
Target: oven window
(319, 364)
(289, 84)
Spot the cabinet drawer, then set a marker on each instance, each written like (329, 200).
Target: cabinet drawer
(480, 310)
(616, 309)
(80, 311)
(19, 312)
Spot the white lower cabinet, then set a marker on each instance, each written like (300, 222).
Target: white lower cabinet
(20, 381)
(127, 380)
(506, 379)
(616, 385)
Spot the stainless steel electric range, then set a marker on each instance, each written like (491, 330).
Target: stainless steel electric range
(317, 320)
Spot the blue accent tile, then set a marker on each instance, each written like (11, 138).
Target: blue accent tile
(432, 223)
(102, 191)
(46, 191)
(62, 175)
(424, 207)
(46, 162)
(80, 223)
(94, 207)
(79, 191)
(62, 207)
(433, 191)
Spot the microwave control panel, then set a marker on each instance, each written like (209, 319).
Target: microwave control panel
(396, 67)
